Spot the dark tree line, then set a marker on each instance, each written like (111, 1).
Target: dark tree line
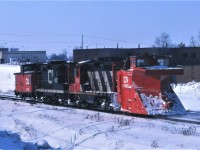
(164, 40)
(58, 57)
(61, 56)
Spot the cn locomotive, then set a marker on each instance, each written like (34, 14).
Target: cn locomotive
(138, 85)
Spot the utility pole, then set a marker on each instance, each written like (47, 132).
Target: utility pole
(82, 42)
(139, 45)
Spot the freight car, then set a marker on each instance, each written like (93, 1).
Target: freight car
(139, 84)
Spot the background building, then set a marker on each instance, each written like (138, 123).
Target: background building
(188, 57)
(17, 57)
(180, 56)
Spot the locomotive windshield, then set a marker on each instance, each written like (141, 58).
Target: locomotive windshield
(145, 62)
(26, 68)
(30, 67)
(163, 61)
(140, 62)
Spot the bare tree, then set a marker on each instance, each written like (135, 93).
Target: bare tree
(193, 42)
(60, 56)
(163, 40)
(181, 45)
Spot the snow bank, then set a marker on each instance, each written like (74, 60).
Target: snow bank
(7, 83)
(189, 94)
(12, 141)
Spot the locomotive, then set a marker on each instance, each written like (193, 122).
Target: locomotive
(138, 85)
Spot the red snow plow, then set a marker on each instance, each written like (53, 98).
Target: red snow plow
(144, 86)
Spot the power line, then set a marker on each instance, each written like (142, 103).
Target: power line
(115, 40)
(38, 34)
(39, 42)
(72, 35)
(66, 42)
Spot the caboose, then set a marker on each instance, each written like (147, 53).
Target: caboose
(27, 80)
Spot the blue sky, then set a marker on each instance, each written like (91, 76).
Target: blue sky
(54, 26)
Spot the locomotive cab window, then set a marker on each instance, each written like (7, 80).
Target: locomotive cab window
(163, 62)
(140, 62)
(27, 68)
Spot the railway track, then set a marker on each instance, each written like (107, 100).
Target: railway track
(179, 119)
(8, 97)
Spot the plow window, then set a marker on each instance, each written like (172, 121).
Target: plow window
(163, 62)
(140, 62)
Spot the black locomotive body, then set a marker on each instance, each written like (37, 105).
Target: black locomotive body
(95, 82)
(85, 83)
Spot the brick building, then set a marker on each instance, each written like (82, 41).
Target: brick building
(188, 57)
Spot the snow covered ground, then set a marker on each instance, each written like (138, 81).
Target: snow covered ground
(7, 83)
(189, 94)
(40, 126)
